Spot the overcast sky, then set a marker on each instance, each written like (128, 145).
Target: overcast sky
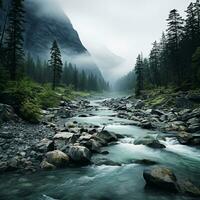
(126, 27)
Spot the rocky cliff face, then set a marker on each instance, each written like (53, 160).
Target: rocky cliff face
(45, 22)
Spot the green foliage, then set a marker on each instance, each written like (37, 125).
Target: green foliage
(48, 98)
(28, 97)
(30, 111)
(14, 39)
(55, 63)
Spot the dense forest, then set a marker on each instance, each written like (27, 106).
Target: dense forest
(175, 59)
(30, 84)
(16, 64)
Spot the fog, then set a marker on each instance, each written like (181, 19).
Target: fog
(125, 27)
(115, 31)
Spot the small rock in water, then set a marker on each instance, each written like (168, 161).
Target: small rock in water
(146, 162)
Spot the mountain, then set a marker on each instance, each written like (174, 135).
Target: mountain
(45, 22)
(108, 62)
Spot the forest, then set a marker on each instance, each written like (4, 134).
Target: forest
(174, 60)
(69, 130)
(24, 78)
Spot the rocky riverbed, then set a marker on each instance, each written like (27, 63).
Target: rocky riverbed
(91, 137)
(184, 123)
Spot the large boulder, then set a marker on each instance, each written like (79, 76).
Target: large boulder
(107, 136)
(80, 154)
(57, 158)
(161, 177)
(150, 142)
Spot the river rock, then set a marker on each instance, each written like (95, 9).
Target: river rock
(57, 158)
(47, 166)
(188, 188)
(161, 177)
(85, 137)
(80, 154)
(45, 145)
(149, 141)
(194, 120)
(194, 128)
(62, 139)
(63, 136)
(107, 136)
(93, 145)
(3, 166)
(184, 137)
(145, 162)
(104, 161)
(69, 125)
(139, 104)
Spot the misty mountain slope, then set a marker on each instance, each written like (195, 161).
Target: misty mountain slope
(107, 61)
(45, 22)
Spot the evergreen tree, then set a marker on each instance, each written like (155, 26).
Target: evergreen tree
(154, 64)
(55, 64)
(75, 78)
(174, 36)
(83, 81)
(14, 40)
(139, 76)
(163, 60)
(30, 67)
(196, 67)
(197, 15)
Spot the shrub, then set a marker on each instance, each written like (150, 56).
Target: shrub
(48, 98)
(30, 111)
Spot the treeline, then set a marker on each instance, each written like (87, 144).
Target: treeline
(174, 60)
(127, 82)
(70, 76)
(15, 65)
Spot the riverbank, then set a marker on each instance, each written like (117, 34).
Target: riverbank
(98, 148)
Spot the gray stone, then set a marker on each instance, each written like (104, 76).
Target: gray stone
(161, 177)
(57, 158)
(107, 136)
(44, 146)
(149, 141)
(80, 154)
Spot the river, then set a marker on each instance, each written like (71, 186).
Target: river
(107, 182)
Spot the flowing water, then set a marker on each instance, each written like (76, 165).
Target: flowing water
(107, 182)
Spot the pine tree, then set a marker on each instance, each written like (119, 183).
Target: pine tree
(163, 59)
(75, 78)
(139, 76)
(196, 67)
(174, 36)
(14, 40)
(55, 64)
(197, 14)
(154, 64)
(83, 81)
